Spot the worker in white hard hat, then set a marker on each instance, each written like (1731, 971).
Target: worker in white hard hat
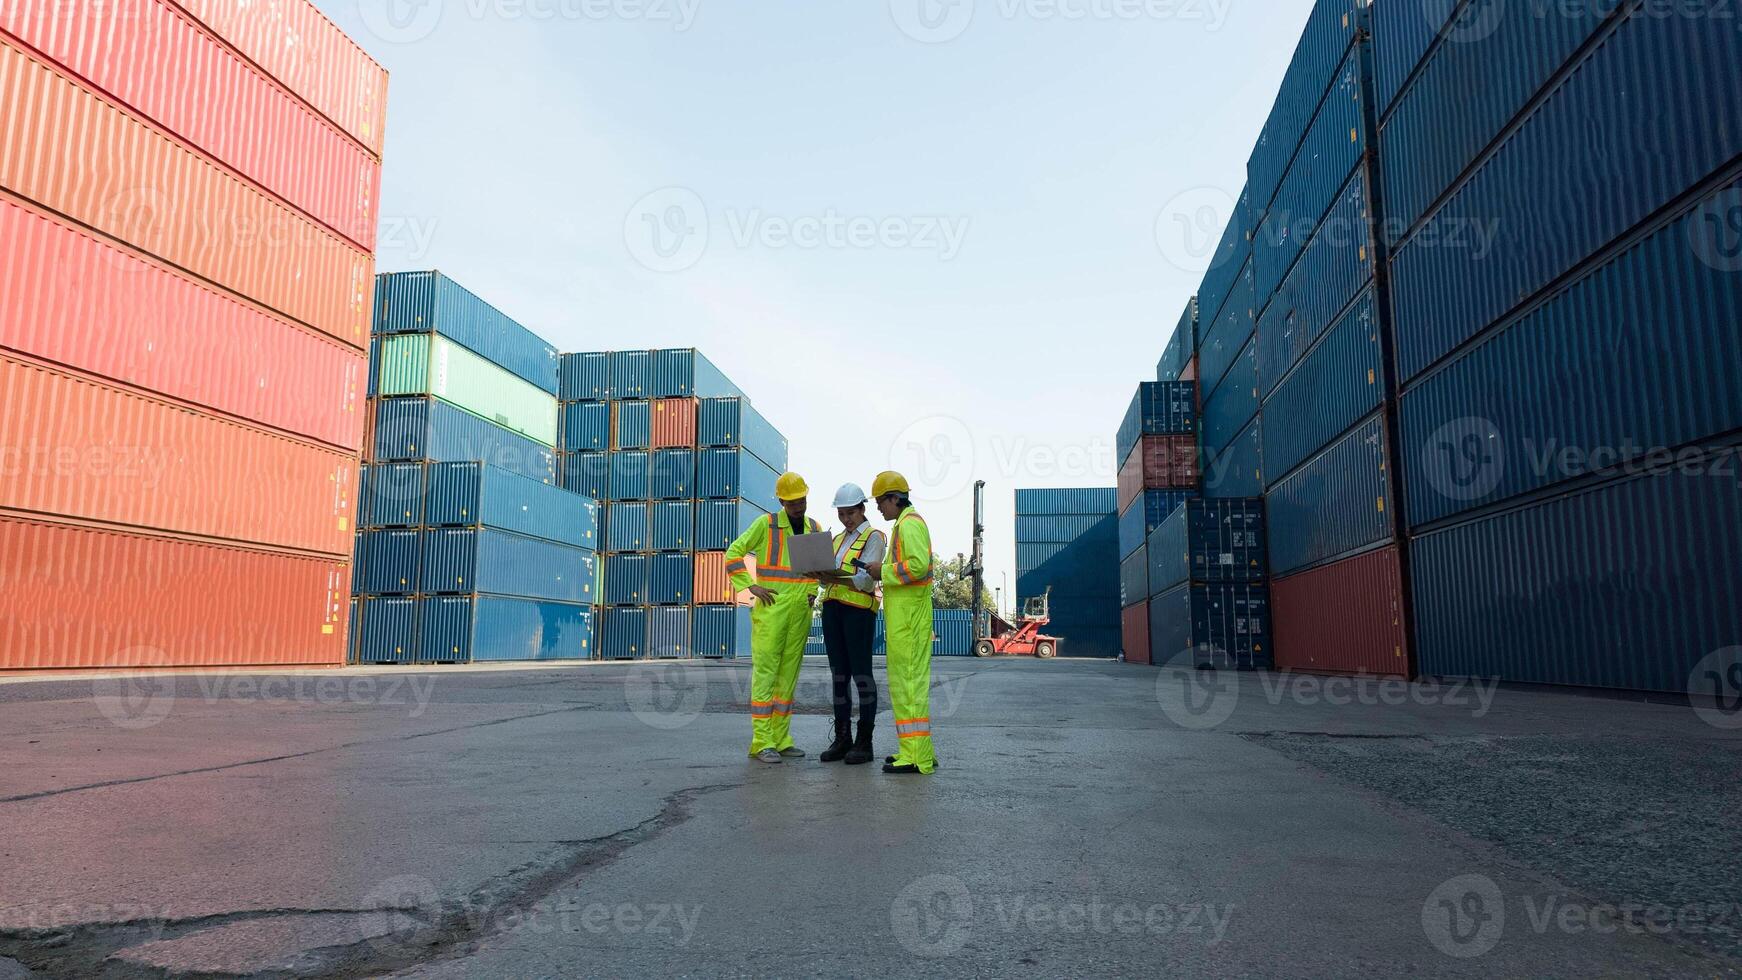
(850, 625)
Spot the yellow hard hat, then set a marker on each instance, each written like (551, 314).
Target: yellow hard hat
(889, 481)
(791, 486)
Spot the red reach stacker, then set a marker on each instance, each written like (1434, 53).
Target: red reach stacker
(994, 636)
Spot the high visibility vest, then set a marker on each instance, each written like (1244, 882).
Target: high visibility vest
(774, 555)
(845, 593)
(895, 575)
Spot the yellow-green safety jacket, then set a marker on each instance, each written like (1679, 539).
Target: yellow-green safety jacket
(909, 565)
(767, 538)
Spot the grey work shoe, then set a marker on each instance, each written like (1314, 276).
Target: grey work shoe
(769, 756)
(793, 753)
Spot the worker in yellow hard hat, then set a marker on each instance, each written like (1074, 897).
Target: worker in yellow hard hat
(781, 619)
(907, 616)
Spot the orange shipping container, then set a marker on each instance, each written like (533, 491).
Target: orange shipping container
(674, 423)
(1158, 463)
(75, 299)
(712, 586)
(76, 447)
(76, 153)
(300, 47)
(73, 596)
(204, 92)
(1134, 632)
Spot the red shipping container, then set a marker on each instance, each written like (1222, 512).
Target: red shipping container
(204, 92)
(1343, 618)
(73, 446)
(299, 46)
(75, 299)
(674, 422)
(1158, 463)
(1134, 632)
(76, 596)
(80, 155)
(713, 587)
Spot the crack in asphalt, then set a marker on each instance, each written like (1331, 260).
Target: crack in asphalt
(414, 934)
(26, 797)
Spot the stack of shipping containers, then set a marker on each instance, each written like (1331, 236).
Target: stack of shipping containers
(467, 549)
(1472, 330)
(1068, 541)
(1567, 289)
(1209, 604)
(682, 463)
(1157, 445)
(184, 301)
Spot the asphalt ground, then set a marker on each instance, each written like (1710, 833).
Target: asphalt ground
(1089, 819)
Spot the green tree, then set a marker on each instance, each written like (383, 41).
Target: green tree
(953, 586)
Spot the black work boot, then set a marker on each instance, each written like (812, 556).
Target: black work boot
(860, 753)
(837, 749)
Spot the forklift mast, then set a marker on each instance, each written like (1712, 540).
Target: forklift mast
(977, 563)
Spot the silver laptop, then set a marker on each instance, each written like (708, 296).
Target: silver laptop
(813, 553)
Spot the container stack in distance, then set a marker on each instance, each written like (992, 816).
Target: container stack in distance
(1068, 541)
(682, 463)
(952, 635)
(1209, 605)
(1375, 367)
(184, 408)
(1157, 445)
(468, 550)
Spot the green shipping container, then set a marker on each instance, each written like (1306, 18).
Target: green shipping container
(428, 364)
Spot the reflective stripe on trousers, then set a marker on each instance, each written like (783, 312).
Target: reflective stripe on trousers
(777, 638)
(907, 617)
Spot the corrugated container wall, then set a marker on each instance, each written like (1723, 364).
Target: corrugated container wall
(1344, 618)
(429, 428)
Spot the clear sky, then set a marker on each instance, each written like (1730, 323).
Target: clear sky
(943, 236)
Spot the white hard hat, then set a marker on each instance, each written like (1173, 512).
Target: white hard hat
(850, 495)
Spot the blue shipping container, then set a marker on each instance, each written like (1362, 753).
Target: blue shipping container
(626, 580)
(1177, 356)
(391, 495)
(733, 422)
(623, 633)
(586, 426)
(1209, 541)
(631, 425)
(1227, 266)
(674, 525)
(1467, 92)
(388, 632)
(584, 377)
(1626, 585)
(1334, 145)
(1225, 337)
(1083, 500)
(477, 629)
(724, 473)
(430, 429)
(1644, 353)
(685, 372)
(674, 474)
(721, 632)
(1606, 134)
(429, 302)
(390, 560)
(464, 560)
(671, 577)
(1337, 384)
(719, 522)
(1338, 504)
(1064, 527)
(669, 629)
(628, 526)
(1232, 406)
(588, 474)
(1219, 627)
(475, 495)
(629, 475)
(1238, 470)
(1336, 265)
(629, 374)
(1083, 568)
(1145, 514)
(1331, 28)
(1159, 410)
(1134, 577)
(1402, 35)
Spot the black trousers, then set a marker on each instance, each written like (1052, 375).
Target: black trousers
(848, 634)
